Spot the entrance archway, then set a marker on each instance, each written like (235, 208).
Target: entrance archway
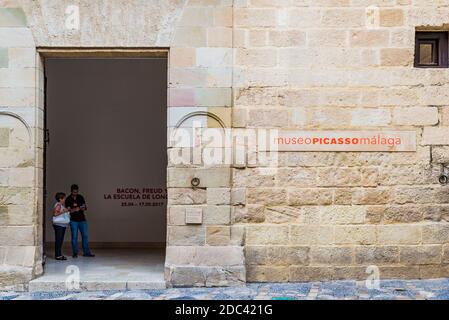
(106, 131)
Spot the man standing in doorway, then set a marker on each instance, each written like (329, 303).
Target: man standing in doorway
(77, 206)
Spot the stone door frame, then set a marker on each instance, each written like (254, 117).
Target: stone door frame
(43, 53)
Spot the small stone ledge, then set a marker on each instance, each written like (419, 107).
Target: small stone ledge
(205, 256)
(15, 278)
(204, 266)
(195, 276)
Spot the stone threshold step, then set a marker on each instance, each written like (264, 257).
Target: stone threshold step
(51, 286)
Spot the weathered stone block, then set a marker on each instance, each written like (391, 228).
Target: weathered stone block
(305, 273)
(182, 57)
(276, 255)
(293, 177)
(371, 196)
(209, 178)
(403, 214)
(213, 97)
(186, 196)
(374, 214)
(407, 175)
(2, 254)
(252, 177)
(217, 215)
(266, 235)
(371, 117)
(190, 37)
(20, 256)
(283, 214)
(177, 216)
(337, 17)
(239, 117)
(286, 38)
(184, 276)
(311, 235)
(391, 17)
(299, 273)
(359, 235)
(238, 234)
(299, 197)
(223, 16)
(255, 17)
(4, 137)
(4, 58)
(394, 57)
(440, 154)
(436, 136)
(205, 256)
(218, 196)
(330, 177)
(16, 37)
(415, 194)
(416, 255)
(267, 274)
(12, 17)
(399, 272)
(376, 255)
(433, 271)
(398, 234)
(331, 255)
(17, 97)
(415, 116)
(268, 118)
(369, 38)
(17, 236)
(324, 38)
(266, 196)
(435, 233)
(238, 196)
(197, 16)
(218, 236)
(342, 215)
(12, 276)
(186, 235)
(343, 196)
(248, 214)
(445, 256)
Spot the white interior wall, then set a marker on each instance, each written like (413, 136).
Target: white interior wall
(107, 123)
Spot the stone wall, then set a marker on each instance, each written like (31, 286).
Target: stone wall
(20, 150)
(319, 65)
(290, 64)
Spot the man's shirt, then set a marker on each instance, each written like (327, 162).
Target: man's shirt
(73, 203)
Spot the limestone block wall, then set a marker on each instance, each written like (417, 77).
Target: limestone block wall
(255, 64)
(208, 250)
(199, 36)
(20, 143)
(318, 65)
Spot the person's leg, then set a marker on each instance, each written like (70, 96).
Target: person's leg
(62, 238)
(74, 231)
(58, 241)
(85, 237)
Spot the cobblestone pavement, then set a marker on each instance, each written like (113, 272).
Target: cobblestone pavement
(352, 290)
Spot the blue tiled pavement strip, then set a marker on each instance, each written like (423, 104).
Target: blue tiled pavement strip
(341, 290)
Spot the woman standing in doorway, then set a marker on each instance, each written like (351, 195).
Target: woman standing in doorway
(61, 219)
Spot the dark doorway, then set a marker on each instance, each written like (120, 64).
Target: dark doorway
(106, 123)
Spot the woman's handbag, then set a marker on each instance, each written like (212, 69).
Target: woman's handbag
(63, 219)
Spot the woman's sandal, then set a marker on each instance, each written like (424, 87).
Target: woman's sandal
(61, 258)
